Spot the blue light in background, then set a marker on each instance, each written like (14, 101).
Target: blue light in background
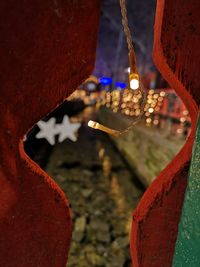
(105, 80)
(120, 85)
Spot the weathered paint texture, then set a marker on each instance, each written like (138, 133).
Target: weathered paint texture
(47, 49)
(177, 55)
(188, 242)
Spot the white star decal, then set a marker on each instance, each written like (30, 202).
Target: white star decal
(66, 129)
(47, 130)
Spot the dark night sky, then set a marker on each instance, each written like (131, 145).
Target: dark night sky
(112, 56)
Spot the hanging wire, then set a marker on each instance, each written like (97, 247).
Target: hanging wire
(127, 32)
(125, 25)
(133, 73)
(133, 67)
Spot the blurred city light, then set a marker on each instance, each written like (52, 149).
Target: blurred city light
(105, 80)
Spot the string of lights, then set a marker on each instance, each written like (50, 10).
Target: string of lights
(135, 86)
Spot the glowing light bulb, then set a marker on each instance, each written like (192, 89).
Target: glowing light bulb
(134, 81)
(151, 110)
(92, 124)
(134, 84)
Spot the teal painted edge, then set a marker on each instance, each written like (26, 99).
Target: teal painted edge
(187, 250)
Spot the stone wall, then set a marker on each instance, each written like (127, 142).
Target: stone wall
(147, 150)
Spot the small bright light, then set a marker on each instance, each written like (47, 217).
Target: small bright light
(151, 92)
(182, 119)
(105, 80)
(127, 112)
(91, 124)
(91, 86)
(155, 96)
(151, 110)
(155, 122)
(185, 112)
(148, 120)
(162, 93)
(134, 84)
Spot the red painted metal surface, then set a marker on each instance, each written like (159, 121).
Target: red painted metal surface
(177, 55)
(47, 49)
